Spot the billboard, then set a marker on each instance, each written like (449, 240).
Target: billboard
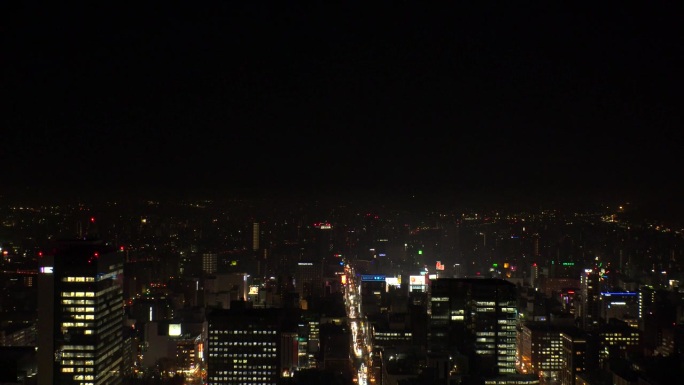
(174, 329)
(372, 278)
(417, 280)
(253, 290)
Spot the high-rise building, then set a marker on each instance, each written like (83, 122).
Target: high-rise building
(478, 318)
(541, 350)
(255, 236)
(620, 305)
(250, 346)
(574, 355)
(80, 309)
(309, 280)
(373, 289)
(616, 340)
(209, 263)
(591, 298)
(534, 274)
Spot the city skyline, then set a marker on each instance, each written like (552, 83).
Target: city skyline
(518, 100)
(248, 292)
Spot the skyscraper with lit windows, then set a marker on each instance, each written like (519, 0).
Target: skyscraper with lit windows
(591, 298)
(478, 318)
(250, 346)
(80, 314)
(541, 350)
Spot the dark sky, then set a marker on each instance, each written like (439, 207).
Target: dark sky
(544, 98)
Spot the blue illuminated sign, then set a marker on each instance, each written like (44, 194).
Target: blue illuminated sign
(619, 293)
(372, 278)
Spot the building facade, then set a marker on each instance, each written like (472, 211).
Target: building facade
(478, 318)
(80, 308)
(249, 346)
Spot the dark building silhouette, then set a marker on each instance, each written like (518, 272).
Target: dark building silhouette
(591, 298)
(574, 342)
(18, 364)
(477, 318)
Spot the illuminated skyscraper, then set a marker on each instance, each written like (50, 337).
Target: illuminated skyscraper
(250, 346)
(617, 339)
(574, 355)
(591, 298)
(541, 350)
(255, 236)
(477, 317)
(80, 308)
(534, 274)
(209, 263)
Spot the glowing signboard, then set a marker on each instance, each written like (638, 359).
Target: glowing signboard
(174, 330)
(372, 277)
(417, 279)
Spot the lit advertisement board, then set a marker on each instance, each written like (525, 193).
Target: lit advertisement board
(394, 281)
(417, 280)
(621, 293)
(254, 290)
(174, 329)
(372, 278)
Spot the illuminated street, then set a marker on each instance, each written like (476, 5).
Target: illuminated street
(360, 338)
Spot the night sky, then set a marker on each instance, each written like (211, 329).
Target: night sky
(531, 98)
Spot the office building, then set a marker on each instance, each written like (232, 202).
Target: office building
(373, 291)
(616, 340)
(80, 308)
(591, 298)
(574, 355)
(309, 280)
(250, 346)
(209, 263)
(541, 350)
(620, 305)
(477, 317)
